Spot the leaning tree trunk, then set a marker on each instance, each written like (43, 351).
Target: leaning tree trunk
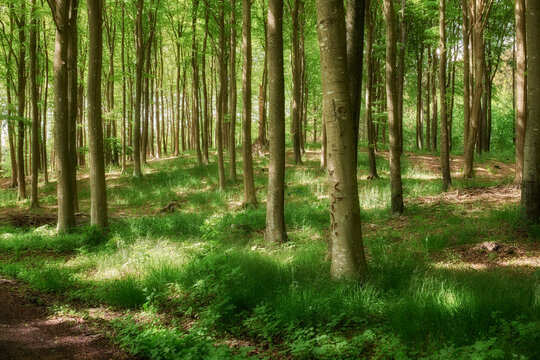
(445, 156)
(98, 190)
(348, 259)
(521, 86)
(275, 217)
(396, 188)
(249, 185)
(530, 185)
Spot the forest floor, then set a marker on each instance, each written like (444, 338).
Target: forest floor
(184, 271)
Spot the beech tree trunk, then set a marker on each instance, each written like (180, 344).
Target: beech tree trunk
(445, 156)
(530, 185)
(296, 83)
(35, 110)
(139, 63)
(232, 96)
(221, 98)
(396, 188)
(369, 94)
(195, 68)
(21, 102)
(521, 86)
(275, 217)
(249, 185)
(348, 259)
(98, 190)
(66, 212)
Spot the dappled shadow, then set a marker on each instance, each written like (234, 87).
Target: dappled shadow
(26, 332)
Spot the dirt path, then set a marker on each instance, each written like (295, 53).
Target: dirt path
(28, 333)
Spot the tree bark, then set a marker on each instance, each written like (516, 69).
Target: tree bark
(232, 96)
(445, 156)
(221, 99)
(521, 86)
(275, 217)
(249, 185)
(21, 102)
(66, 212)
(195, 68)
(348, 259)
(396, 188)
(35, 110)
(296, 82)
(530, 185)
(98, 190)
(139, 49)
(369, 94)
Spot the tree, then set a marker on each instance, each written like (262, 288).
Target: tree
(445, 156)
(35, 110)
(66, 212)
(98, 190)
(249, 185)
(348, 259)
(21, 100)
(521, 86)
(275, 217)
(296, 81)
(530, 185)
(396, 188)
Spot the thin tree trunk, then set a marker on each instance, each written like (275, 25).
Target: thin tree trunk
(249, 185)
(391, 93)
(21, 99)
(521, 86)
(296, 83)
(369, 93)
(232, 96)
(445, 156)
(35, 110)
(221, 99)
(98, 190)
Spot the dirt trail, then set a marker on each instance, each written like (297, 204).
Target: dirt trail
(28, 333)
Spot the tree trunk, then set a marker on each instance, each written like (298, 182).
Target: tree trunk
(445, 156)
(401, 71)
(221, 99)
(419, 75)
(249, 185)
(348, 259)
(66, 212)
(530, 185)
(391, 95)
(275, 218)
(296, 83)
(521, 86)
(466, 74)
(136, 133)
(195, 68)
(35, 109)
(369, 94)
(73, 88)
(98, 190)
(21, 99)
(232, 96)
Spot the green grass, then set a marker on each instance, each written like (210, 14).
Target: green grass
(207, 265)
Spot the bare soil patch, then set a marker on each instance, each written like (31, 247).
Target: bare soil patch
(490, 255)
(27, 218)
(492, 196)
(28, 332)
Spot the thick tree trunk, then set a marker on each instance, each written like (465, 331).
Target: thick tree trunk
(396, 188)
(98, 190)
(521, 86)
(66, 212)
(445, 156)
(348, 259)
(530, 185)
(249, 185)
(275, 218)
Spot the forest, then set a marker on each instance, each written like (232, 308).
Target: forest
(269, 179)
